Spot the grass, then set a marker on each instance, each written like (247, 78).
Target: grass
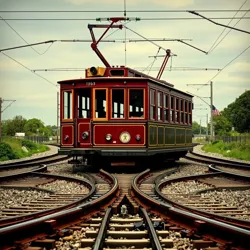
(235, 150)
(17, 151)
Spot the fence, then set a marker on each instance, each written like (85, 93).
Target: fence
(37, 139)
(240, 139)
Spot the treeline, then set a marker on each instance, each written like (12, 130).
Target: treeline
(30, 127)
(234, 119)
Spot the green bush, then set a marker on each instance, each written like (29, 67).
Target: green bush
(16, 148)
(215, 142)
(29, 144)
(233, 149)
(6, 152)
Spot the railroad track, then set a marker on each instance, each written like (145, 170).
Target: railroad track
(216, 161)
(129, 215)
(28, 165)
(52, 200)
(176, 191)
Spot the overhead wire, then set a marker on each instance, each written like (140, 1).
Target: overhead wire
(141, 18)
(214, 46)
(228, 64)
(29, 69)
(125, 36)
(219, 24)
(226, 35)
(151, 64)
(137, 68)
(25, 40)
(111, 11)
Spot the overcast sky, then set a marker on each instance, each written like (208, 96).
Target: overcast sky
(36, 96)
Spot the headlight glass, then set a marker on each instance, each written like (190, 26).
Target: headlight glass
(108, 137)
(85, 135)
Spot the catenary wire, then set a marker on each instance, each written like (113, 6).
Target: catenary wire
(29, 69)
(225, 35)
(142, 19)
(210, 50)
(25, 40)
(112, 11)
(224, 67)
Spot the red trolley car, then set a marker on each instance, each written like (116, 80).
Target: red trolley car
(117, 114)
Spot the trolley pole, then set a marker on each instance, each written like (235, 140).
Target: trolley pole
(211, 109)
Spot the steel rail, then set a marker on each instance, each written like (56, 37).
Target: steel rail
(50, 223)
(201, 224)
(101, 233)
(229, 220)
(30, 171)
(91, 186)
(154, 237)
(34, 162)
(218, 161)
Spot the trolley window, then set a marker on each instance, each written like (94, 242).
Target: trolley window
(185, 113)
(67, 105)
(152, 104)
(189, 113)
(136, 103)
(83, 107)
(172, 111)
(160, 106)
(100, 104)
(177, 112)
(166, 108)
(182, 112)
(118, 98)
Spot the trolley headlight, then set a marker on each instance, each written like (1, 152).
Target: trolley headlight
(85, 135)
(108, 137)
(138, 137)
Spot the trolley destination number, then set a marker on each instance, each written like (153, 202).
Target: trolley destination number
(90, 83)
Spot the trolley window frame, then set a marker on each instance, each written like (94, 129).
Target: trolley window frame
(69, 106)
(94, 105)
(152, 104)
(124, 105)
(143, 117)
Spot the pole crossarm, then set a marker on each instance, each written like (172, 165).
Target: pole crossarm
(199, 97)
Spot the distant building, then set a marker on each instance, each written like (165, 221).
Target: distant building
(19, 134)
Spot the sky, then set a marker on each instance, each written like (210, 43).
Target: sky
(27, 78)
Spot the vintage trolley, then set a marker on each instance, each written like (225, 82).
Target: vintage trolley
(117, 116)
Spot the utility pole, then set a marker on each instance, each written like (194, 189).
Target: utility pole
(1, 111)
(200, 127)
(207, 126)
(57, 117)
(210, 105)
(1, 118)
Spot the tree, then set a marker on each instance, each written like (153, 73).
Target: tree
(238, 113)
(46, 131)
(222, 126)
(10, 127)
(196, 128)
(33, 126)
